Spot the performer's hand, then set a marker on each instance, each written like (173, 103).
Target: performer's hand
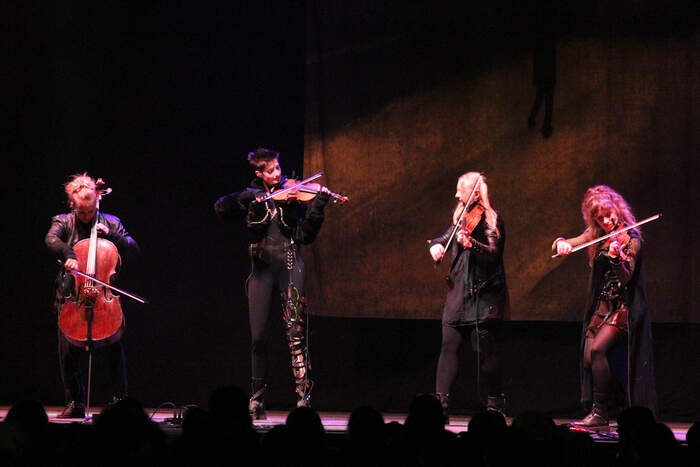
(563, 248)
(324, 190)
(614, 249)
(71, 263)
(464, 239)
(102, 228)
(436, 251)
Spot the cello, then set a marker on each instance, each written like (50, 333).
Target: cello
(93, 316)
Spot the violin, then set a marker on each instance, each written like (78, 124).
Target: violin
(94, 316)
(457, 223)
(620, 236)
(302, 191)
(469, 221)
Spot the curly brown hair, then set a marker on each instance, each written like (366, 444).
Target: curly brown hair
(602, 197)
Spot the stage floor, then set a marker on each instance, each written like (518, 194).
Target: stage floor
(337, 422)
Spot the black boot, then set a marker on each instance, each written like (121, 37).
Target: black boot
(599, 413)
(72, 410)
(256, 404)
(497, 404)
(303, 390)
(444, 402)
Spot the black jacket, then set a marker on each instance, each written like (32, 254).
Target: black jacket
(64, 233)
(296, 221)
(477, 280)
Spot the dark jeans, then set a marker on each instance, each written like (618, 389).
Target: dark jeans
(73, 363)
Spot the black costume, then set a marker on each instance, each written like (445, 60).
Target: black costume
(276, 230)
(617, 302)
(476, 303)
(66, 230)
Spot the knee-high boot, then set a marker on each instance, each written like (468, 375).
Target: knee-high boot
(296, 336)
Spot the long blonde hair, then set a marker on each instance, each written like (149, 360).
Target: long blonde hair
(602, 197)
(468, 180)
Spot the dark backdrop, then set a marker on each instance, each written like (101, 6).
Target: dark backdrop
(163, 100)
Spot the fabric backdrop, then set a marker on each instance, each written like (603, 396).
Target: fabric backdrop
(402, 98)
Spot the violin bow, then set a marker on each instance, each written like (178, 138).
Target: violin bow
(611, 234)
(454, 229)
(279, 192)
(109, 286)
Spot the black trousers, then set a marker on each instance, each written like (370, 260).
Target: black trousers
(265, 279)
(73, 364)
(485, 339)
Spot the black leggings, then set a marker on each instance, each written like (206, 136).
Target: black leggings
(261, 286)
(489, 336)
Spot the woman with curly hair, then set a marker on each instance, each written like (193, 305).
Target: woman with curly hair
(616, 314)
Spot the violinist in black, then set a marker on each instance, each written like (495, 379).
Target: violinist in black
(276, 230)
(66, 230)
(477, 299)
(616, 313)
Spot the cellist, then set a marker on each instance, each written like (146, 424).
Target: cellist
(66, 230)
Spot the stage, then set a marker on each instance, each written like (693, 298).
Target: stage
(335, 423)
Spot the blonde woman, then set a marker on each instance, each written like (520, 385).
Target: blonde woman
(616, 314)
(477, 299)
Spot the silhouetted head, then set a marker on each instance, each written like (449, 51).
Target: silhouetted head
(425, 415)
(632, 418)
(366, 425)
(28, 416)
(228, 406)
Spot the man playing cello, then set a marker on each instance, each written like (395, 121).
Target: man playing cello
(66, 230)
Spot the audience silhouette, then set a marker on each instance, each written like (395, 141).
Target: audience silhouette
(123, 434)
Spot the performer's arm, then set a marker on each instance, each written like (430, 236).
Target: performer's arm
(496, 242)
(57, 237)
(624, 264)
(233, 206)
(118, 235)
(436, 246)
(310, 225)
(562, 246)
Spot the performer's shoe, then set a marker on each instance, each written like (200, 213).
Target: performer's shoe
(256, 408)
(115, 400)
(72, 410)
(497, 404)
(256, 404)
(597, 417)
(444, 402)
(303, 391)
